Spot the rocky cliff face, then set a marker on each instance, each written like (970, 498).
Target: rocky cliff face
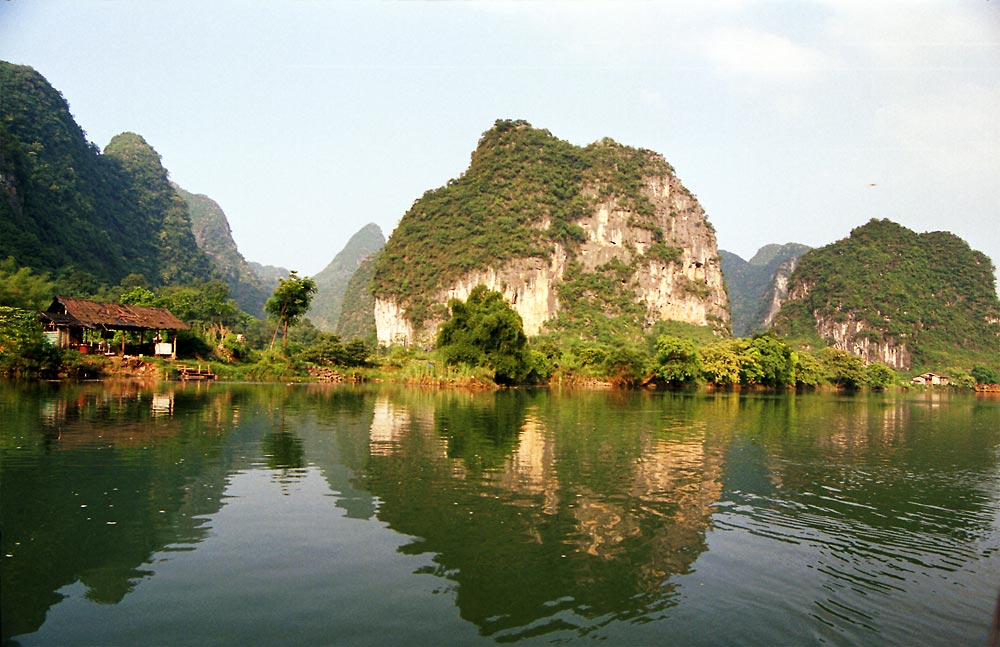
(778, 292)
(856, 336)
(665, 260)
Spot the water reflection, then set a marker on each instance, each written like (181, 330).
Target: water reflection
(546, 521)
(85, 497)
(542, 515)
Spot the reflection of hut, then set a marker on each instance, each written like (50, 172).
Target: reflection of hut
(81, 323)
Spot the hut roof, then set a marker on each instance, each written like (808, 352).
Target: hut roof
(96, 314)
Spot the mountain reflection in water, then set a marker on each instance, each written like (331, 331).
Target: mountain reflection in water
(698, 518)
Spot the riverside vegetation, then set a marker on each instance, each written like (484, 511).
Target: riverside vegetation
(482, 344)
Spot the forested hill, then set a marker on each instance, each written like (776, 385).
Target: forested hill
(895, 296)
(331, 283)
(756, 285)
(214, 236)
(85, 218)
(357, 313)
(596, 241)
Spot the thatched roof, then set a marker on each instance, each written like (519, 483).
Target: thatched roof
(115, 316)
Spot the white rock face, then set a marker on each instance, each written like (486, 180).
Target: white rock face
(779, 292)
(391, 324)
(850, 335)
(689, 290)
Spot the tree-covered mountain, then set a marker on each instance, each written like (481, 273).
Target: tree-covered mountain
(332, 281)
(85, 218)
(599, 241)
(357, 314)
(269, 275)
(758, 285)
(891, 295)
(214, 236)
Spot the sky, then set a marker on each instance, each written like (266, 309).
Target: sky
(791, 121)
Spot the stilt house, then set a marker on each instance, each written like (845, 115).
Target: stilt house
(90, 326)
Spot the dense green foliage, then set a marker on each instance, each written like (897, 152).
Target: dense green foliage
(985, 375)
(24, 351)
(329, 350)
(485, 331)
(22, 288)
(214, 237)
(332, 282)
(87, 220)
(677, 361)
(929, 291)
(751, 283)
(154, 201)
(522, 194)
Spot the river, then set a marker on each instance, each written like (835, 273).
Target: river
(214, 514)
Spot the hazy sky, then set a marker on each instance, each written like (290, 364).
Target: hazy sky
(791, 121)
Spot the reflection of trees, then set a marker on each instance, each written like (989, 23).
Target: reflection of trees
(283, 450)
(97, 482)
(336, 436)
(550, 513)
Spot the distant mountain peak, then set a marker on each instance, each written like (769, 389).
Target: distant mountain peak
(333, 280)
(757, 287)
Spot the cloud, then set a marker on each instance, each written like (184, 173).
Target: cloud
(762, 55)
(916, 34)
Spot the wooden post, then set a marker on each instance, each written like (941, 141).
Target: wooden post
(173, 348)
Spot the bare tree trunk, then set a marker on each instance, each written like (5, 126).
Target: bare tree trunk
(281, 317)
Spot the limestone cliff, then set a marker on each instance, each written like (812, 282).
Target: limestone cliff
(777, 292)
(569, 235)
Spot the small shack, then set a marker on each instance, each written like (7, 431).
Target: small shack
(932, 379)
(84, 324)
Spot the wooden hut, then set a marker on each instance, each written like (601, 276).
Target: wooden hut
(67, 319)
(932, 379)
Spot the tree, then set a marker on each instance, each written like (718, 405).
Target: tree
(767, 361)
(880, 376)
(289, 303)
(20, 287)
(985, 375)
(842, 369)
(24, 351)
(485, 331)
(677, 360)
(721, 362)
(808, 370)
(625, 365)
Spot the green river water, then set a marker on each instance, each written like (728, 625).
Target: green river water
(214, 514)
